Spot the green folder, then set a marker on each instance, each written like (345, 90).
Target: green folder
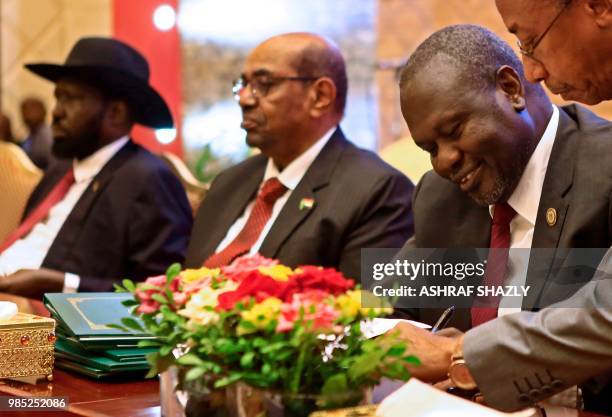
(126, 355)
(88, 314)
(95, 373)
(70, 352)
(83, 317)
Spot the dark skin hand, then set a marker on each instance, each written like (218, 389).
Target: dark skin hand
(32, 283)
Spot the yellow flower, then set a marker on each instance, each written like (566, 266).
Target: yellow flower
(350, 303)
(277, 272)
(261, 314)
(191, 275)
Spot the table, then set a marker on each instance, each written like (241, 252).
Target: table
(90, 398)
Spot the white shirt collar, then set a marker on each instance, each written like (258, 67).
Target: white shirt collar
(526, 196)
(293, 173)
(89, 167)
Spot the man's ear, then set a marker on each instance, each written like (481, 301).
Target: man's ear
(509, 83)
(118, 113)
(323, 93)
(601, 11)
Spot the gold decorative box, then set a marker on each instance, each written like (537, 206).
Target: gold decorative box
(26, 347)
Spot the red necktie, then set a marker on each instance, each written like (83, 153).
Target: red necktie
(56, 195)
(262, 210)
(497, 262)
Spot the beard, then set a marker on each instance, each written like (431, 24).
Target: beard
(505, 185)
(78, 143)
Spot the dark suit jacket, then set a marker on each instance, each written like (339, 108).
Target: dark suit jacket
(132, 221)
(578, 184)
(360, 202)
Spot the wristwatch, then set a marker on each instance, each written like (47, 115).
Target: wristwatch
(458, 372)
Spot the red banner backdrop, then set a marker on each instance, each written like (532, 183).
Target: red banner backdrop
(133, 23)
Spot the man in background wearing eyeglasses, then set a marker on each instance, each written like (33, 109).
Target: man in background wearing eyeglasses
(568, 45)
(311, 196)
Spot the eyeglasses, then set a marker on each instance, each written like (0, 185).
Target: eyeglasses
(529, 49)
(260, 85)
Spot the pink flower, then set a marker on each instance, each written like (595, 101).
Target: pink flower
(147, 304)
(309, 308)
(196, 286)
(246, 263)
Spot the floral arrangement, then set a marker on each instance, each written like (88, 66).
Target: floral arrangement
(267, 325)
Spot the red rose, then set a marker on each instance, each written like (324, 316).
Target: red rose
(255, 284)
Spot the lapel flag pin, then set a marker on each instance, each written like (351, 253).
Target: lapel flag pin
(306, 203)
(551, 216)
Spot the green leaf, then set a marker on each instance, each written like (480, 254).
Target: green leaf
(169, 296)
(397, 370)
(397, 350)
(229, 380)
(266, 368)
(194, 373)
(130, 323)
(247, 325)
(143, 286)
(119, 288)
(129, 285)
(412, 360)
(364, 365)
(335, 384)
(130, 303)
(165, 350)
(189, 359)
(161, 362)
(246, 361)
(159, 298)
(118, 327)
(172, 271)
(148, 343)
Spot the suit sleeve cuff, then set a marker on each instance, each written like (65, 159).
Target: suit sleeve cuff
(71, 282)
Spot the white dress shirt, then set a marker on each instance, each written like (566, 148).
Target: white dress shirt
(525, 200)
(30, 251)
(290, 177)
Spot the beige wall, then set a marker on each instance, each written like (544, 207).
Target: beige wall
(42, 30)
(403, 24)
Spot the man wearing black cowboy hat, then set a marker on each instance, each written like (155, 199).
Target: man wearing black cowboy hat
(110, 209)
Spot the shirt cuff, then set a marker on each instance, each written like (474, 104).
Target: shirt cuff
(71, 282)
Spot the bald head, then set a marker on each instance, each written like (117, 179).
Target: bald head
(33, 113)
(314, 56)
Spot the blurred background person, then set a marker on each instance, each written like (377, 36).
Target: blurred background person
(37, 144)
(6, 133)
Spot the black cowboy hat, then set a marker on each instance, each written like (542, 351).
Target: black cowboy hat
(113, 67)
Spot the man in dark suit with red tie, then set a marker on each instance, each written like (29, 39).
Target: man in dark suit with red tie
(110, 209)
(311, 196)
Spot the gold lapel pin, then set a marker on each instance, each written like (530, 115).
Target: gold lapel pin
(307, 203)
(95, 186)
(551, 217)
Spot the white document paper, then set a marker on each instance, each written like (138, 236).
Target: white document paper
(418, 399)
(376, 327)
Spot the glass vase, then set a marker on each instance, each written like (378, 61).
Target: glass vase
(246, 401)
(189, 399)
